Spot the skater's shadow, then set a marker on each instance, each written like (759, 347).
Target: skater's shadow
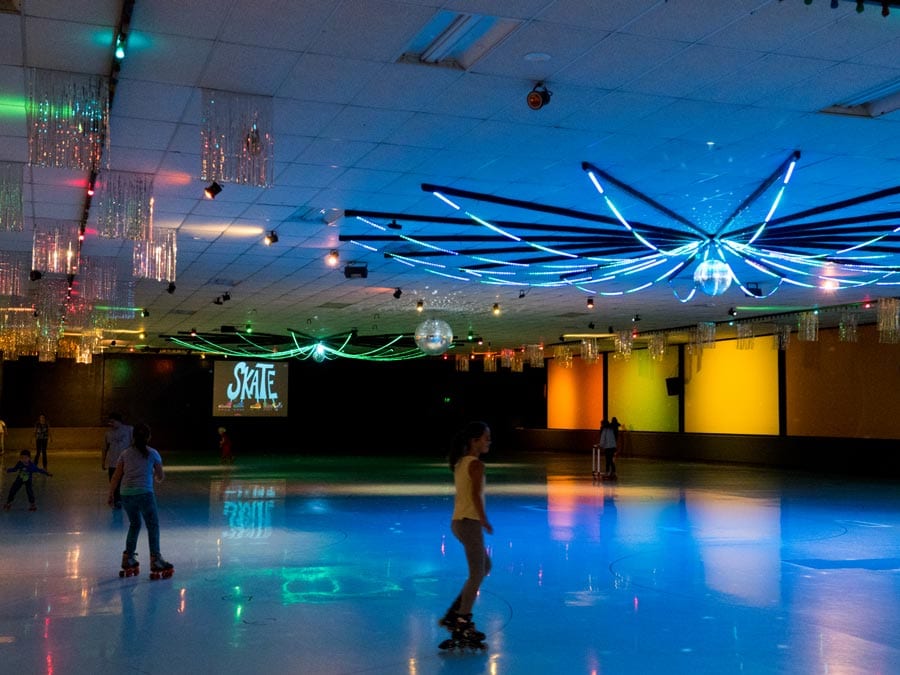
(465, 662)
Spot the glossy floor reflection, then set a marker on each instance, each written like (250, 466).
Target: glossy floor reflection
(343, 565)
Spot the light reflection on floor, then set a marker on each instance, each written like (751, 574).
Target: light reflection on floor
(343, 565)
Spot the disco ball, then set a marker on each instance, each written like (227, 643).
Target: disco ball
(434, 336)
(713, 276)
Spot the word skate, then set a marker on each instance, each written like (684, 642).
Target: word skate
(160, 569)
(130, 565)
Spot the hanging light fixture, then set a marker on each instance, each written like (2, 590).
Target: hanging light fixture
(496, 309)
(55, 247)
(67, 119)
(125, 205)
(333, 258)
(236, 138)
(156, 257)
(270, 238)
(11, 213)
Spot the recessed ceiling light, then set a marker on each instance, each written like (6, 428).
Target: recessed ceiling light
(536, 57)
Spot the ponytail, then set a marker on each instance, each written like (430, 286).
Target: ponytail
(139, 438)
(462, 439)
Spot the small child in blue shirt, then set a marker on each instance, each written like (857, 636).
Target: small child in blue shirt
(26, 468)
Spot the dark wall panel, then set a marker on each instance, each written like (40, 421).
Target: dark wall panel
(339, 406)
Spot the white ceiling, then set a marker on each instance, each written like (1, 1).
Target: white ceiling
(693, 103)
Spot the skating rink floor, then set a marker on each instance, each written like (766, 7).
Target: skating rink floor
(322, 565)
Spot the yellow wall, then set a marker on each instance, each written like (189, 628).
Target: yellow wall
(843, 389)
(574, 395)
(833, 388)
(637, 391)
(732, 391)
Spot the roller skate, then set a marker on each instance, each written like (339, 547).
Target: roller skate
(130, 565)
(463, 634)
(32, 507)
(159, 568)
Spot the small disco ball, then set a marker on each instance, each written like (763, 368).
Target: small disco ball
(434, 336)
(713, 276)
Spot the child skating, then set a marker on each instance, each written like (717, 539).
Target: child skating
(137, 469)
(26, 469)
(468, 524)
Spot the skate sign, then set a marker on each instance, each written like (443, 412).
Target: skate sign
(250, 389)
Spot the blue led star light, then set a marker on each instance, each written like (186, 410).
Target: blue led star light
(833, 246)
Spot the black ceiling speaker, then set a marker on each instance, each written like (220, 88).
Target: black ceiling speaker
(351, 271)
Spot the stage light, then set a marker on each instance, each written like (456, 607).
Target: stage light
(397, 293)
(521, 293)
(170, 288)
(271, 238)
(193, 332)
(145, 313)
(732, 311)
(332, 258)
(226, 296)
(590, 303)
(212, 190)
(420, 305)
(538, 97)
(591, 325)
(635, 318)
(218, 300)
(496, 309)
(394, 225)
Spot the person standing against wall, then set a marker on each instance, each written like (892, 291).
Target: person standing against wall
(115, 441)
(2, 437)
(225, 446)
(41, 440)
(608, 443)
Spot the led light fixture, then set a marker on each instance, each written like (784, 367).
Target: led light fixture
(271, 238)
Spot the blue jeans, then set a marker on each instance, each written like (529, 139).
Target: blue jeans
(137, 506)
